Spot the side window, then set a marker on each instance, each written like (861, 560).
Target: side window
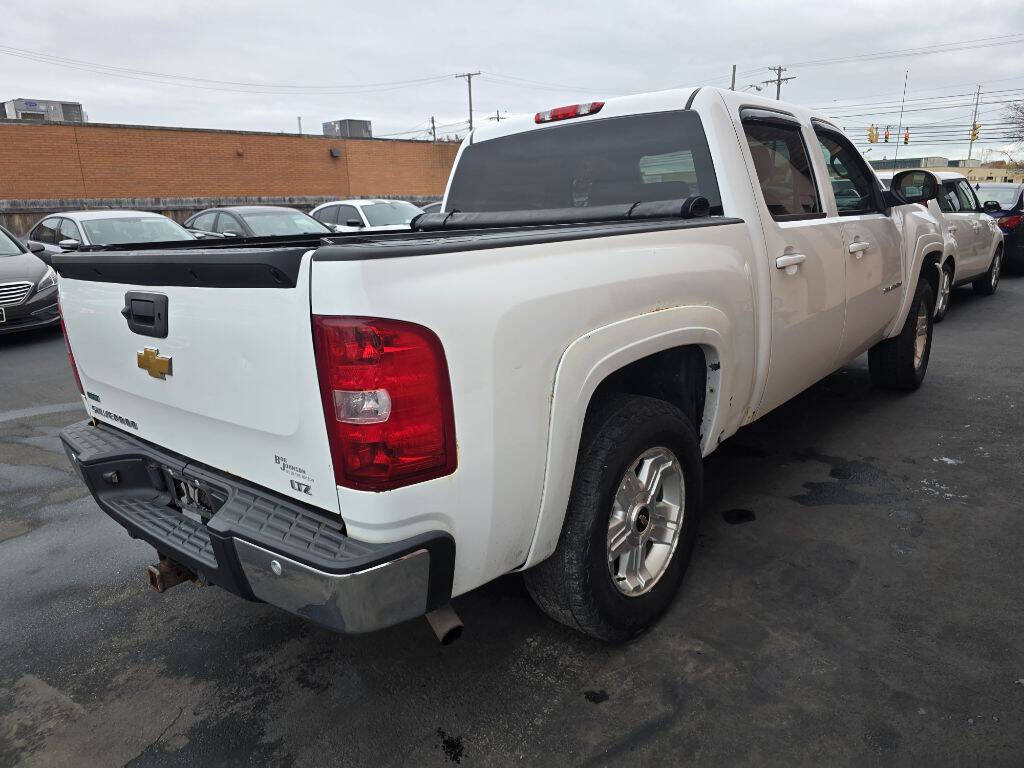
(328, 215)
(69, 230)
(783, 170)
(46, 231)
(852, 182)
(228, 223)
(347, 213)
(967, 200)
(948, 200)
(204, 221)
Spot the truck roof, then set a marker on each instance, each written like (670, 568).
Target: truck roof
(641, 103)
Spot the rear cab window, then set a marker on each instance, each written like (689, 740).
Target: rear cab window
(783, 167)
(596, 162)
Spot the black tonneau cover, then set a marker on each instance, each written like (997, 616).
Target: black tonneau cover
(273, 262)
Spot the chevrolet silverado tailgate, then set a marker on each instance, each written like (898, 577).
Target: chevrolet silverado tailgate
(231, 381)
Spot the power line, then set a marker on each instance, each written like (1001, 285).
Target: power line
(981, 42)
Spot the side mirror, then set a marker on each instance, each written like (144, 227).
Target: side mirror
(991, 206)
(35, 247)
(915, 186)
(69, 245)
(354, 223)
(336, 227)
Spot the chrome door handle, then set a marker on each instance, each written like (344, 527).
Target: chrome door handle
(790, 262)
(858, 247)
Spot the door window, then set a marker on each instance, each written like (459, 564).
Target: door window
(347, 213)
(853, 184)
(948, 200)
(69, 230)
(228, 223)
(328, 215)
(204, 221)
(967, 200)
(783, 170)
(46, 231)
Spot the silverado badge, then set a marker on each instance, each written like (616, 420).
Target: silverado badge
(158, 366)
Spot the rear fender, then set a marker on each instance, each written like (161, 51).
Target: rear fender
(590, 359)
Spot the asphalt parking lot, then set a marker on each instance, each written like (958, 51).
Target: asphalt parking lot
(855, 599)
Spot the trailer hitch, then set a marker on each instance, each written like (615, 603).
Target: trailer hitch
(169, 573)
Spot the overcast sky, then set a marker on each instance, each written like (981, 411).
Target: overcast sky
(312, 54)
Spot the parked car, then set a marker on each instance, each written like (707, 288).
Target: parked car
(254, 221)
(431, 207)
(1005, 203)
(366, 215)
(358, 431)
(974, 244)
(76, 230)
(28, 288)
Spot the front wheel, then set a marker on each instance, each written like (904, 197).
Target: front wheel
(901, 362)
(631, 521)
(986, 284)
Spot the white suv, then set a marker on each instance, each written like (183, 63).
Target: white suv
(974, 243)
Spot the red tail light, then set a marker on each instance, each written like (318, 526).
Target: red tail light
(387, 400)
(564, 113)
(71, 355)
(1007, 223)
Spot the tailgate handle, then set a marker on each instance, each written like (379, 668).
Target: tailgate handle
(146, 313)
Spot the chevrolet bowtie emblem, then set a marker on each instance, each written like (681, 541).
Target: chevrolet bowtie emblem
(158, 366)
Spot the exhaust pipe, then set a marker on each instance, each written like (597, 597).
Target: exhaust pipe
(169, 573)
(446, 624)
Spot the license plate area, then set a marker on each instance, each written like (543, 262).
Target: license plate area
(195, 498)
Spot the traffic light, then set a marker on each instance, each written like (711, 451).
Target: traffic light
(906, 136)
(974, 131)
(887, 134)
(872, 134)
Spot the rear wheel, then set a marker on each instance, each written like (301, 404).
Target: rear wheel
(986, 284)
(945, 292)
(901, 362)
(631, 521)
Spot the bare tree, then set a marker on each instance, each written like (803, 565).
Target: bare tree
(1015, 116)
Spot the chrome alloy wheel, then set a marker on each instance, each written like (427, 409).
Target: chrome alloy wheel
(646, 519)
(921, 339)
(945, 289)
(997, 265)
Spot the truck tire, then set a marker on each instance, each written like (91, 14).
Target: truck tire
(901, 362)
(631, 520)
(986, 284)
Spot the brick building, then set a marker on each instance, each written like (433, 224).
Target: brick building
(48, 167)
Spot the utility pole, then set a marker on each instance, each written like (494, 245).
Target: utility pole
(497, 115)
(299, 118)
(733, 86)
(433, 130)
(779, 80)
(974, 122)
(469, 85)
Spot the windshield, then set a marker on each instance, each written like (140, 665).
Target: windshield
(1005, 196)
(278, 222)
(133, 229)
(7, 245)
(391, 213)
(619, 160)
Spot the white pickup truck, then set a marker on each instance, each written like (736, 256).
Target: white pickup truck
(358, 428)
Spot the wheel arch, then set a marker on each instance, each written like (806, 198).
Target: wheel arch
(603, 359)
